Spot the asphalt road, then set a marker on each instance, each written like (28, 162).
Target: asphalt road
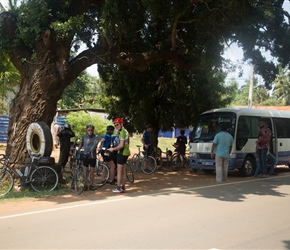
(252, 213)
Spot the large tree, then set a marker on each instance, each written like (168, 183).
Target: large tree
(40, 35)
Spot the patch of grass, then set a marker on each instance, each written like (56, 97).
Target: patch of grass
(163, 143)
(30, 193)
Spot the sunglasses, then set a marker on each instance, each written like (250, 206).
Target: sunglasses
(117, 124)
(89, 130)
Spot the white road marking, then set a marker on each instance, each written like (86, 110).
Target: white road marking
(164, 191)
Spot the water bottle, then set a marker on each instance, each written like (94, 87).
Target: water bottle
(19, 172)
(26, 171)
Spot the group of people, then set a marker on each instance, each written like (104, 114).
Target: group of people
(114, 149)
(222, 146)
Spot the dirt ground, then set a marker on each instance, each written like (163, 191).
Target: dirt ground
(163, 178)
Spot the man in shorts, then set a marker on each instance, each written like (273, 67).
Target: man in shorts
(89, 143)
(105, 143)
(122, 155)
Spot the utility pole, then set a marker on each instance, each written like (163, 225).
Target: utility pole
(250, 100)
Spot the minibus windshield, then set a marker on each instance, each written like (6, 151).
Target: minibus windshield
(209, 124)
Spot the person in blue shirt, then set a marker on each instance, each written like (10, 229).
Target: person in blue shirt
(109, 157)
(146, 140)
(221, 149)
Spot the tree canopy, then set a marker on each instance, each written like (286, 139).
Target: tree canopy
(187, 36)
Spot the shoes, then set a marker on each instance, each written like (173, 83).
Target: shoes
(273, 174)
(112, 182)
(93, 188)
(118, 190)
(263, 176)
(85, 187)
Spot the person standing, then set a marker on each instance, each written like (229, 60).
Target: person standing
(221, 149)
(64, 139)
(89, 143)
(181, 142)
(146, 140)
(105, 143)
(56, 129)
(122, 155)
(262, 145)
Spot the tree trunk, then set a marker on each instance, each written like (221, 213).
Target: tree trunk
(36, 101)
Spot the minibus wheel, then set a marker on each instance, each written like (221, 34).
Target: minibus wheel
(249, 167)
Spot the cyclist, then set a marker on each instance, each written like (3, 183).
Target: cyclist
(107, 142)
(122, 155)
(180, 143)
(146, 140)
(89, 143)
(64, 140)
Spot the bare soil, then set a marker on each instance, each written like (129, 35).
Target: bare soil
(163, 178)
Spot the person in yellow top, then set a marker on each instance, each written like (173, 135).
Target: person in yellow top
(122, 155)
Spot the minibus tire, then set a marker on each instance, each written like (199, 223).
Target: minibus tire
(249, 167)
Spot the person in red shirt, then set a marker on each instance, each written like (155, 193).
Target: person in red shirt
(262, 145)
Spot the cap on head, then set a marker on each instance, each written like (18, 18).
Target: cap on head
(118, 120)
(149, 126)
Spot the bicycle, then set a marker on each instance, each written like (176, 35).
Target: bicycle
(160, 159)
(129, 173)
(147, 163)
(72, 154)
(40, 178)
(178, 160)
(129, 170)
(78, 174)
(102, 173)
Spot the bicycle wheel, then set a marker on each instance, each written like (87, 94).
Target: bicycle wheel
(43, 178)
(148, 165)
(135, 162)
(79, 179)
(6, 182)
(175, 162)
(129, 173)
(102, 175)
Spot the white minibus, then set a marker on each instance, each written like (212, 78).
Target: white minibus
(243, 125)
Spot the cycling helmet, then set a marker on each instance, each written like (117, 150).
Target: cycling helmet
(118, 120)
(90, 126)
(67, 125)
(149, 126)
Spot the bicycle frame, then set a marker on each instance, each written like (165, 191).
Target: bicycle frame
(40, 178)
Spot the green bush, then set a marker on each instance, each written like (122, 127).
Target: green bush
(79, 120)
